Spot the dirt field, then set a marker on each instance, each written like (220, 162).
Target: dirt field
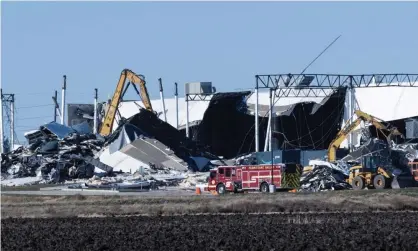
(335, 231)
(346, 220)
(342, 201)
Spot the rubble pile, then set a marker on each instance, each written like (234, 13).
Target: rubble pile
(409, 149)
(324, 176)
(55, 153)
(191, 180)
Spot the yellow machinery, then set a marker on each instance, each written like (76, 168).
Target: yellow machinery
(348, 128)
(368, 174)
(134, 79)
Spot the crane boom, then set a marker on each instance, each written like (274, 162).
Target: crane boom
(348, 128)
(107, 125)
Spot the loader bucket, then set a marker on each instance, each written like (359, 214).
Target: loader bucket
(402, 182)
(395, 183)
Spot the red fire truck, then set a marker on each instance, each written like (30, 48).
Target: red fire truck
(253, 177)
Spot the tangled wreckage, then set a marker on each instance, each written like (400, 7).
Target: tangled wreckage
(147, 148)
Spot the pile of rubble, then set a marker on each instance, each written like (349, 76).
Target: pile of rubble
(323, 176)
(55, 153)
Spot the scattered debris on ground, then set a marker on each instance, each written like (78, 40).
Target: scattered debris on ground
(323, 176)
(55, 153)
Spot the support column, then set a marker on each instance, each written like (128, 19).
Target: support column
(256, 116)
(12, 122)
(95, 112)
(267, 141)
(270, 137)
(274, 119)
(351, 111)
(176, 94)
(271, 122)
(64, 87)
(187, 115)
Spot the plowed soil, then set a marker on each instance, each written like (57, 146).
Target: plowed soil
(327, 231)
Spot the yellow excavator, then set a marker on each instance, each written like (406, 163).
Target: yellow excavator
(369, 173)
(120, 91)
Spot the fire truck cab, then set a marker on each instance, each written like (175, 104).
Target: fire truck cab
(253, 177)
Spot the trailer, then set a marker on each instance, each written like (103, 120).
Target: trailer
(254, 178)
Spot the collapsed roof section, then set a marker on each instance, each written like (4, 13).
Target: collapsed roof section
(59, 131)
(197, 108)
(148, 139)
(228, 127)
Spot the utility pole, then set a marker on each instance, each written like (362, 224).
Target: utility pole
(95, 112)
(56, 105)
(7, 99)
(64, 87)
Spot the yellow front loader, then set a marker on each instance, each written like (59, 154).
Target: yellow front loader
(370, 175)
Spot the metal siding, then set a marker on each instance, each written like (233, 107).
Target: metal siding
(411, 128)
(291, 156)
(265, 157)
(198, 88)
(305, 156)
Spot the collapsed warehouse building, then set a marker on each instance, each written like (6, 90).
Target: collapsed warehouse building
(307, 115)
(308, 112)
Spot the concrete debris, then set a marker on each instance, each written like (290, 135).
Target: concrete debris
(322, 177)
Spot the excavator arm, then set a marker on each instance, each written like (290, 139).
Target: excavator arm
(348, 128)
(126, 74)
(341, 136)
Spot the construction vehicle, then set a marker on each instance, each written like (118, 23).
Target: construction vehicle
(253, 178)
(120, 91)
(368, 173)
(348, 128)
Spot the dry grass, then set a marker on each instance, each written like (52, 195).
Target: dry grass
(348, 201)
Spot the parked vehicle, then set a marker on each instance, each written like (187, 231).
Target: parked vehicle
(254, 177)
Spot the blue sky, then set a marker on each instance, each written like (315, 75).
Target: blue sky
(223, 42)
